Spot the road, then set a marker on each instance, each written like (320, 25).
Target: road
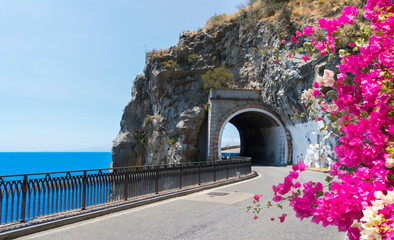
(218, 213)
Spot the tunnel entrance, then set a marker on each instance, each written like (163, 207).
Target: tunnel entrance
(262, 136)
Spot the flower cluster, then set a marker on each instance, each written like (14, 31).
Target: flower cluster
(360, 99)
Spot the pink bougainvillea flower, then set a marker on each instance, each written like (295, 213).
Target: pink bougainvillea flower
(257, 197)
(315, 93)
(293, 174)
(283, 41)
(277, 198)
(282, 218)
(255, 217)
(351, 44)
(305, 58)
(297, 185)
(309, 30)
(293, 39)
(316, 85)
(272, 219)
(301, 166)
(294, 167)
(298, 34)
(390, 130)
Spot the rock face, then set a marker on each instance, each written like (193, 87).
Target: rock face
(165, 121)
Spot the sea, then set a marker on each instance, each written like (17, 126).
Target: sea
(12, 163)
(15, 163)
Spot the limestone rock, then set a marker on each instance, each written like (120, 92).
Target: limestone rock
(165, 121)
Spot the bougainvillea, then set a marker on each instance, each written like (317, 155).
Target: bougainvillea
(359, 193)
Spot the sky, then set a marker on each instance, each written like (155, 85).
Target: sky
(67, 67)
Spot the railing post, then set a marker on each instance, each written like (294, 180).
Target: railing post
(126, 185)
(84, 182)
(157, 180)
(227, 170)
(214, 172)
(199, 174)
(180, 176)
(24, 196)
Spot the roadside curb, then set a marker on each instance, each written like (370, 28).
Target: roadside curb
(317, 170)
(121, 207)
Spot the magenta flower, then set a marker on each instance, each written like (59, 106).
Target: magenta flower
(309, 30)
(293, 39)
(315, 93)
(256, 197)
(282, 218)
(301, 166)
(277, 198)
(305, 58)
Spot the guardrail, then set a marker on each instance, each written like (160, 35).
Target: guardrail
(26, 197)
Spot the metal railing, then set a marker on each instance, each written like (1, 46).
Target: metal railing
(26, 197)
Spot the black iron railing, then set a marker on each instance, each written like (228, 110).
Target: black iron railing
(26, 197)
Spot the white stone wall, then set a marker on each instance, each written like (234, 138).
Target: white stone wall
(306, 147)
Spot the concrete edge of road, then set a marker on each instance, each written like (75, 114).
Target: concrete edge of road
(85, 216)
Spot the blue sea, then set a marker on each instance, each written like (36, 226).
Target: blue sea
(13, 163)
(38, 162)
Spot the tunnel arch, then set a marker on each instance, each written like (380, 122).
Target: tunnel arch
(263, 134)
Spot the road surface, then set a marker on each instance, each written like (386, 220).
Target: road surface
(218, 213)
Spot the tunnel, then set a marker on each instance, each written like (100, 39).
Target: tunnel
(262, 136)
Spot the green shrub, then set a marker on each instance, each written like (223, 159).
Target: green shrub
(219, 77)
(170, 64)
(171, 141)
(192, 56)
(148, 119)
(140, 136)
(216, 20)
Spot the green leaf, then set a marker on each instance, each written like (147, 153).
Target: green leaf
(328, 179)
(329, 92)
(269, 204)
(280, 206)
(319, 194)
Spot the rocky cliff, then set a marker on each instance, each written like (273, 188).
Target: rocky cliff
(165, 121)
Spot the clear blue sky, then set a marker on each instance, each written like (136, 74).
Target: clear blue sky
(67, 67)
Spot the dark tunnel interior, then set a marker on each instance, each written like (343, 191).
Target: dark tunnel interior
(260, 137)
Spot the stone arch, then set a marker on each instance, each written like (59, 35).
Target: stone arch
(284, 138)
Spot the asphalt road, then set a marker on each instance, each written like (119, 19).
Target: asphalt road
(218, 213)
